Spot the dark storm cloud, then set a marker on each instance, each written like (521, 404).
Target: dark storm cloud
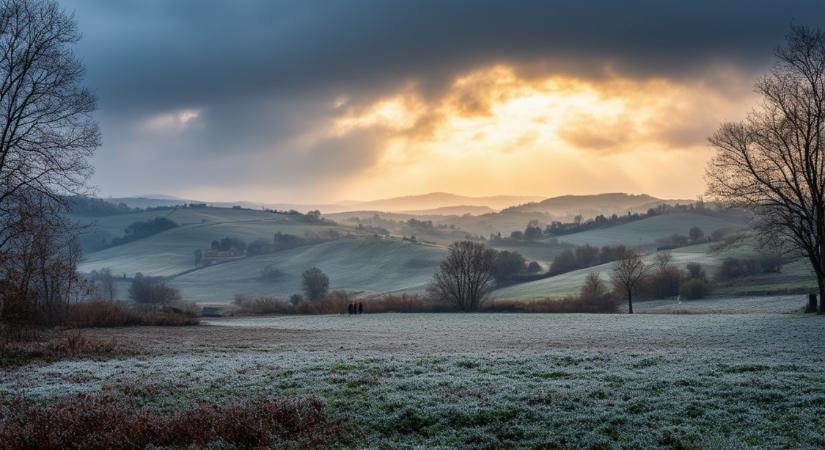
(263, 72)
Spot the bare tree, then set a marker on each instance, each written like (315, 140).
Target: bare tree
(38, 268)
(593, 287)
(774, 161)
(663, 259)
(466, 275)
(152, 292)
(315, 283)
(627, 274)
(47, 133)
(104, 284)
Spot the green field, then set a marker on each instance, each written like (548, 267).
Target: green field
(171, 252)
(646, 231)
(364, 265)
(360, 263)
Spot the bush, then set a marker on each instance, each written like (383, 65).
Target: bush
(694, 288)
(103, 421)
(741, 267)
(507, 265)
(664, 283)
(334, 303)
(695, 270)
(598, 305)
(101, 315)
(151, 292)
(262, 305)
(54, 346)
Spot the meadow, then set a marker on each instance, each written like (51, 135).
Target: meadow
(485, 380)
(359, 262)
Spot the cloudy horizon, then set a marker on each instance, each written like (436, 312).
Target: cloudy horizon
(314, 102)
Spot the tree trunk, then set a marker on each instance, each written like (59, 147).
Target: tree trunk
(820, 280)
(629, 302)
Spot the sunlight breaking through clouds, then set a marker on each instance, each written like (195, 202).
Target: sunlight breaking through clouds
(551, 131)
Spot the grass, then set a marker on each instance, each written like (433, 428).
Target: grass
(172, 252)
(497, 381)
(646, 231)
(370, 266)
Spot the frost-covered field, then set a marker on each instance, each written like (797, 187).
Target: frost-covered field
(492, 380)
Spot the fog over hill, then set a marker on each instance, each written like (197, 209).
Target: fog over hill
(443, 203)
(593, 205)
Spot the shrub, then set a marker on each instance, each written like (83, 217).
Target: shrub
(334, 303)
(695, 270)
(406, 303)
(262, 305)
(54, 346)
(151, 292)
(740, 267)
(507, 265)
(103, 421)
(603, 304)
(664, 283)
(694, 288)
(101, 314)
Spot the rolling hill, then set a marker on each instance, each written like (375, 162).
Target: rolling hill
(364, 265)
(588, 206)
(645, 231)
(172, 251)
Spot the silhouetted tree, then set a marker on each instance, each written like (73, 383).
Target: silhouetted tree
(507, 266)
(774, 161)
(695, 234)
(47, 133)
(466, 275)
(627, 274)
(152, 292)
(593, 288)
(315, 283)
(105, 283)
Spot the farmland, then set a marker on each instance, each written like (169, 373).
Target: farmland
(360, 262)
(488, 380)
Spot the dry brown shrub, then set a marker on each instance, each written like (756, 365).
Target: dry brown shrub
(106, 421)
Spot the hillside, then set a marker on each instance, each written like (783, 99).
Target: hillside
(569, 283)
(364, 265)
(172, 251)
(646, 231)
(588, 206)
(436, 200)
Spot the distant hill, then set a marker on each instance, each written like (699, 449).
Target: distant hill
(453, 211)
(436, 200)
(592, 205)
(435, 203)
(149, 201)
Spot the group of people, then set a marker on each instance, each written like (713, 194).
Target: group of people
(355, 308)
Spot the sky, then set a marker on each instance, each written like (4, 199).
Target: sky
(321, 101)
